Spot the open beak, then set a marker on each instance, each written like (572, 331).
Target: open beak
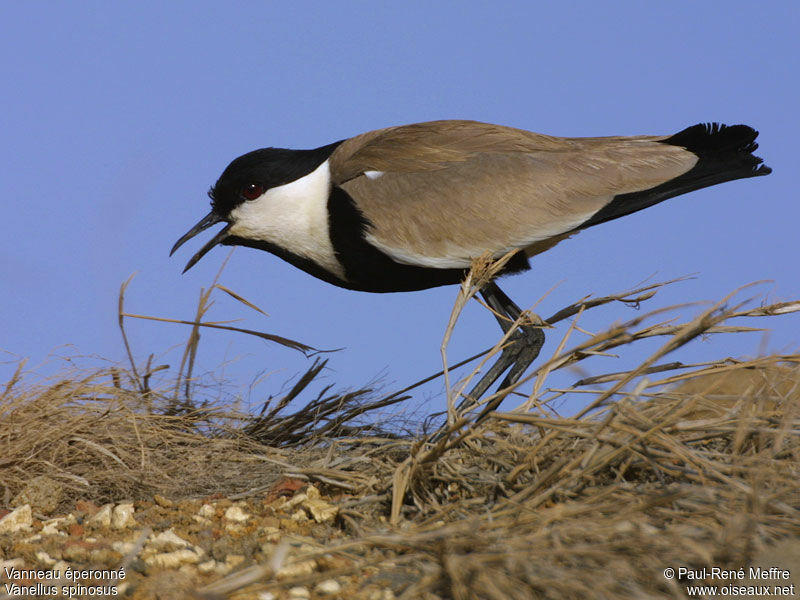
(204, 223)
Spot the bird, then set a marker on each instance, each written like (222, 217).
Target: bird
(410, 207)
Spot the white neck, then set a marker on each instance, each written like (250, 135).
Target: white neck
(293, 216)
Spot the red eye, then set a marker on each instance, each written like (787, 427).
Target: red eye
(252, 191)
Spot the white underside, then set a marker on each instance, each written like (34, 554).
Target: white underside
(293, 216)
(461, 257)
(407, 257)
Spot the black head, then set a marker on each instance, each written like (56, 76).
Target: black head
(252, 174)
(248, 178)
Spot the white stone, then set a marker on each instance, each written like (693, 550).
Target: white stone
(321, 511)
(298, 569)
(234, 560)
(299, 593)
(45, 558)
(102, 518)
(167, 538)
(11, 563)
(272, 534)
(207, 567)
(61, 567)
(51, 526)
(328, 587)
(122, 516)
(299, 516)
(173, 560)
(18, 519)
(122, 547)
(294, 501)
(235, 513)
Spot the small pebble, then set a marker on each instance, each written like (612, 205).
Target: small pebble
(172, 560)
(234, 560)
(271, 534)
(167, 538)
(162, 501)
(299, 593)
(299, 516)
(122, 516)
(51, 526)
(328, 587)
(17, 519)
(207, 567)
(234, 513)
(298, 569)
(102, 518)
(44, 558)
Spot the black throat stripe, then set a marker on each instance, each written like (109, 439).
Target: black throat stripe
(300, 262)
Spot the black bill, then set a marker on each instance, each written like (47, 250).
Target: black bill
(204, 223)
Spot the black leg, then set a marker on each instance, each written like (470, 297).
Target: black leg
(522, 349)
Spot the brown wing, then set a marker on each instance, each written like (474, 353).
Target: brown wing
(428, 146)
(441, 193)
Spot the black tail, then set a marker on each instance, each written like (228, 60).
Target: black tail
(725, 153)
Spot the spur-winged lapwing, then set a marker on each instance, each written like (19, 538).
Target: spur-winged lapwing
(408, 208)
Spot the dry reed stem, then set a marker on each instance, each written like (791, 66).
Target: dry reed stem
(709, 321)
(483, 269)
(698, 467)
(596, 511)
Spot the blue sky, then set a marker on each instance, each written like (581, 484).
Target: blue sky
(117, 117)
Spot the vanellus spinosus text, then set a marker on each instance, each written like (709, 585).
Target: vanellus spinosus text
(408, 208)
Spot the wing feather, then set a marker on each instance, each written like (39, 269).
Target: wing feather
(441, 193)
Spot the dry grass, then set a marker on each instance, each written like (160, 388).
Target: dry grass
(669, 464)
(106, 442)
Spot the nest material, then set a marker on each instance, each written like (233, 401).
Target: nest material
(697, 468)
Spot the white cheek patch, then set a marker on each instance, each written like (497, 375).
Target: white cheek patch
(293, 216)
